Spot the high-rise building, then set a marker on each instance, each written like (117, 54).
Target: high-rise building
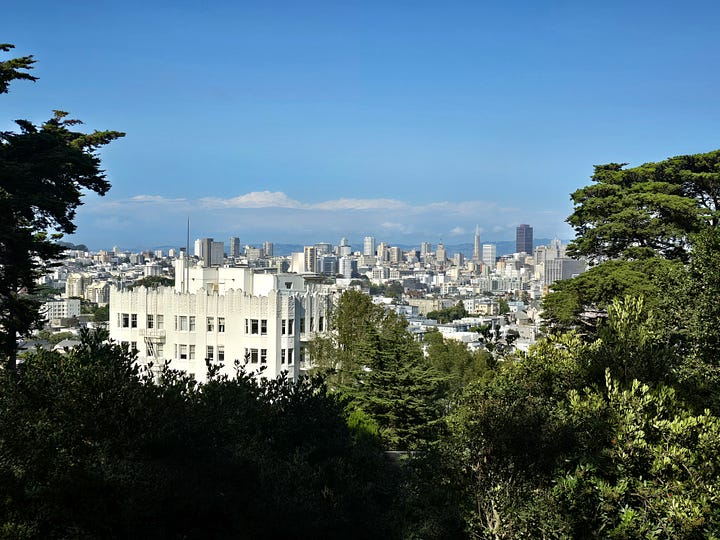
(217, 253)
(344, 249)
(369, 246)
(489, 254)
(323, 248)
(310, 259)
(75, 286)
(524, 239)
(328, 265)
(395, 255)
(210, 252)
(383, 254)
(348, 265)
(440, 253)
(234, 246)
(477, 253)
(425, 250)
(268, 249)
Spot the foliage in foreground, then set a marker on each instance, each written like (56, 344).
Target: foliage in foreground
(538, 454)
(91, 448)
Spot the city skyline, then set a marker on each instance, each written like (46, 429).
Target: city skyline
(302, 122)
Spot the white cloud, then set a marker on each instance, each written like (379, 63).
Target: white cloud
(155, 199)
(254, 199)
(359, 204)
(267, 215)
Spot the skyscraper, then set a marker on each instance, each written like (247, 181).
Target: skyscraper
(310, 259)
(234, 246)
(344, 249)
(369, 246)
(489, 253)
(524, 239)
(477, 254)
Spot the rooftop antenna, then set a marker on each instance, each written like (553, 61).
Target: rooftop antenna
(186, 277)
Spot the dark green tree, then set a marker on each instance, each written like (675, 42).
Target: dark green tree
(455, 361)
(449, 314)
(579, 301)
(647, 210)
(91, 447)
(371, 358)
(154, 282)
(43, 172)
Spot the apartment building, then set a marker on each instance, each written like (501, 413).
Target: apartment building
(223, 315)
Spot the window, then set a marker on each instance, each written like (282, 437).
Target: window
(183, 352)
(283, 327)
(160, 324)
(291, 324)
(125, 320)
(253, 356)
(133, 320)
(211, 324)
(290, 356)
(263, 327)
(150, 321)
(254, 326)
(191, 352)
(133, 346)
(247, 326)
(221, 353)
(210, 354)
(282, 356)
(192, 323)
(221, 324)
(183, 326)
(302, 325)
(302, 355)
(263, 356)
(321, 326)
(312, 324)
(159, 350)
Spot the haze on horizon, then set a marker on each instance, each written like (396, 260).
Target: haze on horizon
(307, 122)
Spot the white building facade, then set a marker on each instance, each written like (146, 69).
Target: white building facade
(224, 315)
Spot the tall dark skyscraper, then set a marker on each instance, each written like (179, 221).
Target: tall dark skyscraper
(524, 239)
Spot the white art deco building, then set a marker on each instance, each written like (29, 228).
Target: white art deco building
(224, 314)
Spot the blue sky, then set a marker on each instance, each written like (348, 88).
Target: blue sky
(300, 122)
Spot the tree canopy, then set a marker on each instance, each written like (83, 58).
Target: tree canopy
(371, 358)
(43, 172)
(646, 210)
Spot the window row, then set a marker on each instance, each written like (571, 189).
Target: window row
(188, 323)
(256, 355)
(256, 326)
(188, 352)
(127, 320)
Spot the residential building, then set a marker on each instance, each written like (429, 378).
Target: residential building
(260, 322)
(310, 259)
